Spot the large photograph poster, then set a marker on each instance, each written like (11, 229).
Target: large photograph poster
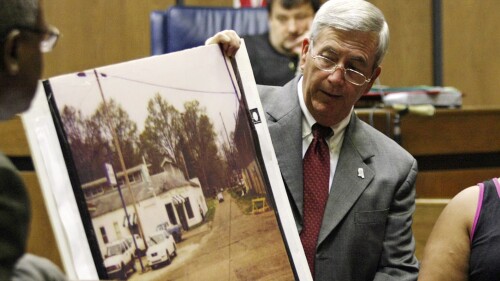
(169, 176)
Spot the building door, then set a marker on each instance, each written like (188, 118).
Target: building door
(171, 213)
(182, 215)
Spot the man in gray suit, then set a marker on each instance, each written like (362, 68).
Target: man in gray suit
(24, 35)
(365, 232)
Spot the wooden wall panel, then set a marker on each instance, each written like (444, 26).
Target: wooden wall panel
(14, 141)
(424, 218)
(471, 49)
(447, 183)
(409, 59)
(41, 240)
(101, 32)
(98, 32)
(452, 131)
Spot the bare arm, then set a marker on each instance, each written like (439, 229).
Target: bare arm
(446, 254)
(228, 39)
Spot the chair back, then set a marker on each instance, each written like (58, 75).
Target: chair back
(183, 27)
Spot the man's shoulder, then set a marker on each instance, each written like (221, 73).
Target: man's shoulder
(5, 162)
(270, 93)
(268, 90)
(31, 267)
(256, 39)
(381, 141)
(260, 49)
(279, 101)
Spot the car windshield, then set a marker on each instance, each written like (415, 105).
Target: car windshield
(114, 250)
(155, 239)
(162, 226)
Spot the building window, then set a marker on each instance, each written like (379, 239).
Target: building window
(104, 235)
(189, 209)
(118, 230)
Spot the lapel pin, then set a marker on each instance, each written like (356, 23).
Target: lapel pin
(361, 173)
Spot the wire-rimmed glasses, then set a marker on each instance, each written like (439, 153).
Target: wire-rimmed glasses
(325, 64)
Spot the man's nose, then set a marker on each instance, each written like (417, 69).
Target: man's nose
(337, 75)
(292, 25)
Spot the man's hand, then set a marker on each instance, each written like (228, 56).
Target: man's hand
(229, 40)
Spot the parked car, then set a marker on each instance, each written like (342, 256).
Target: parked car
(175, 230)
(161, 249)
(119, 259)
(141, 246)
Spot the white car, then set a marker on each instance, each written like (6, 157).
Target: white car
(119, 259)
(161, 249)
(175, 230)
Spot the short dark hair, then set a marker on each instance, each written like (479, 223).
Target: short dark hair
(289, 4)
(14, 13)
(17, 12)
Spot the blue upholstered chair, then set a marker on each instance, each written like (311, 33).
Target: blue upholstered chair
(183, 27)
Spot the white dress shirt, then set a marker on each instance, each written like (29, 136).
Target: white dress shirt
(334, 142)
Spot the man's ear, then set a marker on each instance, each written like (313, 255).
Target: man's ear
(11, 52)
(375, 75)
(306, 44)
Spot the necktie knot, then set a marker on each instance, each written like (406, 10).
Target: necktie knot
(320, 131)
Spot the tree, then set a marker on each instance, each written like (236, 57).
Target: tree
(124, 128)
(199, 137)
(161, 132)
(88, 147)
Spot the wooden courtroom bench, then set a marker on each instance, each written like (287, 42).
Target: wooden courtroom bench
(455, 148)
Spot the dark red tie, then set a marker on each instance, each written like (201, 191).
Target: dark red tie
(316, 166)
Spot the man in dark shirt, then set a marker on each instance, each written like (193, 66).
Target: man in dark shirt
(274, 55)
(24, 36)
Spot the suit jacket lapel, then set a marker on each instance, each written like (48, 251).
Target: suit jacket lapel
(284, 122)
(347, 186)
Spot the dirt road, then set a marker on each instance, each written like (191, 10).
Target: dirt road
(234, 246)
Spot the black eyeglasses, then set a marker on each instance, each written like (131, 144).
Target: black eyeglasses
(50, 36)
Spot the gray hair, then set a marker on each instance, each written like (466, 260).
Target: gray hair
(353, 15)
(17, 12)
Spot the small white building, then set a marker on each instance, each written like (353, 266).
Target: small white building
(164, 197)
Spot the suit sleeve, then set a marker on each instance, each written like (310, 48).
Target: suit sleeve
(398, 261)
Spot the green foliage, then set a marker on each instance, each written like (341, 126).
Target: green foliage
(211, 203)
(160, 138)
(244, 202)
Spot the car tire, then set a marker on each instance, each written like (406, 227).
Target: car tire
(124, 272)
(168, 261)
(134, 269)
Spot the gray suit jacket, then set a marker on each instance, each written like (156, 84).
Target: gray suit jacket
(366, 232)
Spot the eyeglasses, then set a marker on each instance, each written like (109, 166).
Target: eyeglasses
(50, 36)
(325, 64)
